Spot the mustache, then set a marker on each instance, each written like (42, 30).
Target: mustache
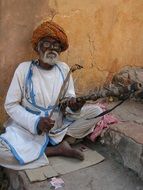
(50, 57)
(51, 54)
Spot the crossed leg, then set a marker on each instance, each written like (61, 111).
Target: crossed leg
(64, 149)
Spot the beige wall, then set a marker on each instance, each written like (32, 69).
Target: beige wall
(104, 36)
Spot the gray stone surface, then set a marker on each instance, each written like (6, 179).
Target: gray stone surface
(129, 74)
(107, 175)
(126, 137)
(127, 151)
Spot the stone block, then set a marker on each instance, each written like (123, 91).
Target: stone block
(126, 150)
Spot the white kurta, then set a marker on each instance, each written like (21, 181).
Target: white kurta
(32, 93)
(21, 133)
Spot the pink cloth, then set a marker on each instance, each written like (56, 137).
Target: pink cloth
(57, 182)
(105, 121)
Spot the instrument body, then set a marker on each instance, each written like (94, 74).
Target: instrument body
(120, 92)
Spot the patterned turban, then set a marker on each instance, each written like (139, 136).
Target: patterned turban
(50, 29)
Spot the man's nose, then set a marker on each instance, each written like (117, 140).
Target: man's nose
(52, 47)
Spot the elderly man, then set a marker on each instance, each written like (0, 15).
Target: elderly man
(31, 135)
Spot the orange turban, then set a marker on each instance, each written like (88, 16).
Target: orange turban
(50, 29)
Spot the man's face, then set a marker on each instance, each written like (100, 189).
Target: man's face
(49, 50)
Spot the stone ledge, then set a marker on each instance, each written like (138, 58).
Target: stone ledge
(129, 129)
(126, 150)
(126, 137)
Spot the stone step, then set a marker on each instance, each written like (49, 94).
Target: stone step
(126, 137)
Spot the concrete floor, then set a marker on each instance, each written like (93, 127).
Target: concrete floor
(107, 175)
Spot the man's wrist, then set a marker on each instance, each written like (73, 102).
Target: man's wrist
(39, 132)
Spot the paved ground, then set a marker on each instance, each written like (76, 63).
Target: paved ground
(108, 175)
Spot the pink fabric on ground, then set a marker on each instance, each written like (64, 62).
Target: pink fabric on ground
(105, 121)
(57, 182)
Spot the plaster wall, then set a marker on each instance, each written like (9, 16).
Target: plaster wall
(104, 36)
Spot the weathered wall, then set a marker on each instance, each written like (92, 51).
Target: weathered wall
(104, 36)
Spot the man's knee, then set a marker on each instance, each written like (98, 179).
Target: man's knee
(91, 110)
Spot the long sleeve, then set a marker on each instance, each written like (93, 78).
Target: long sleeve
(13, 104)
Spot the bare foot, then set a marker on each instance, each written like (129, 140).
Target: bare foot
(64, 149)
(68, 151)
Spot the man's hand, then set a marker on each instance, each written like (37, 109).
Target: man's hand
(45, 124)
(74, 105)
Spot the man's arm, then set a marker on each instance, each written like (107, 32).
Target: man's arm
(13, 105)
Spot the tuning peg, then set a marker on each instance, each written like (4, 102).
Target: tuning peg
(79, 66)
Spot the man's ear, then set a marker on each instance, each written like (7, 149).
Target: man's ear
(36, 48)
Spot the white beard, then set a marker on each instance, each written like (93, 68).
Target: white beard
(50, 57)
